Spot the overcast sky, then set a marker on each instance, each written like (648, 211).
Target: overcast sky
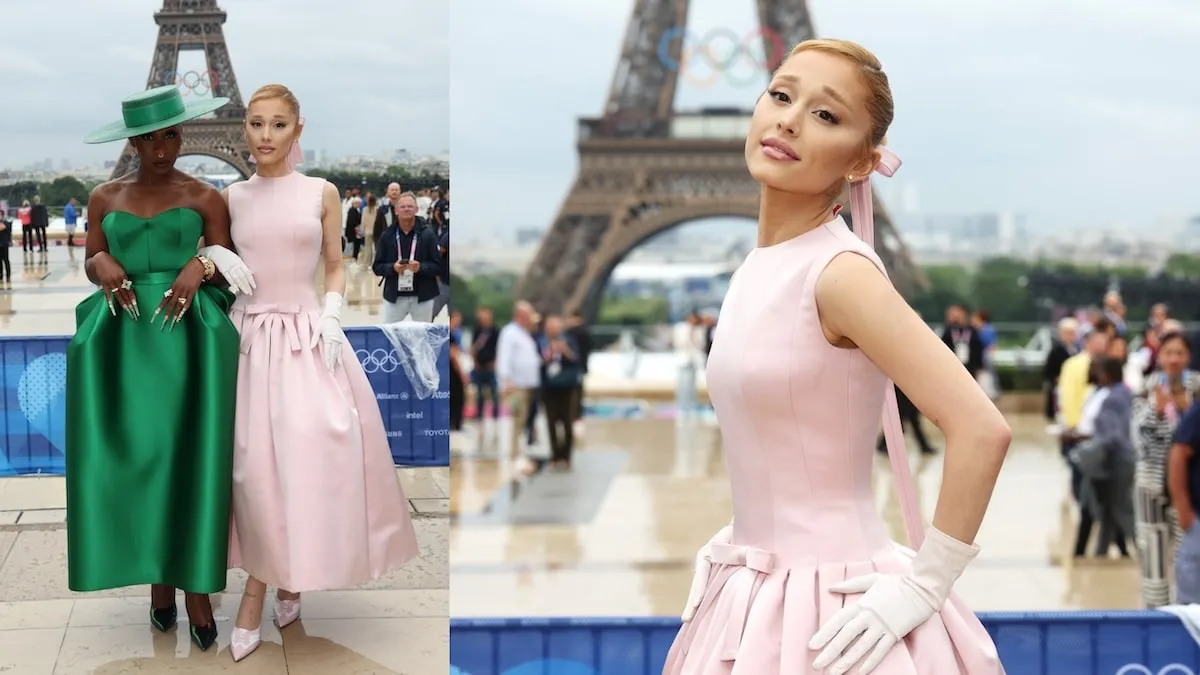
(1070, 111)
(370, 74)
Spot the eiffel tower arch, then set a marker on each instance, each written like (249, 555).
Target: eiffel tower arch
(645, 167)
(197, 25)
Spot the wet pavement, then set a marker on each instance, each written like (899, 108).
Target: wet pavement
(617, 536)
(396, 625)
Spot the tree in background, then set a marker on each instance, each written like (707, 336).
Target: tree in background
(1012, 290)
(59, 191)
(376, 183)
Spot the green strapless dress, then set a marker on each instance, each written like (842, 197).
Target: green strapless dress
(149, 457)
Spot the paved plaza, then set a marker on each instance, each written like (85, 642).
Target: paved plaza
(395, 626)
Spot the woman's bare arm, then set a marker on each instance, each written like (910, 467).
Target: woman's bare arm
(857, 302)
(331, 223)
(215, 211)
(95, 242)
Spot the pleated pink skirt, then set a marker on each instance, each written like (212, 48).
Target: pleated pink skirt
(757, 620)
(316, 501)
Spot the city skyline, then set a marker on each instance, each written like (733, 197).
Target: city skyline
(1069, 127)
(359, 90)
(321, 157)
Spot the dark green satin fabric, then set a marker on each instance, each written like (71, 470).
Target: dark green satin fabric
(149, 456)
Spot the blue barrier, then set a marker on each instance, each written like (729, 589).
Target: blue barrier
(418, 429)
(33, 430)
(1041, 643)
(33, 373)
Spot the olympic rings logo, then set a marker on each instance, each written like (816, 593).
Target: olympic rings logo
(719, 52)
(1169, 669)
(377, 360)
(200, 84)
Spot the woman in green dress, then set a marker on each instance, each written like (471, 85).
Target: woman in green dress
(151, 392)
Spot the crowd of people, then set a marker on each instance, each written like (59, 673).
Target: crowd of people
(1129, 428)
(34, 220)
(534, 368)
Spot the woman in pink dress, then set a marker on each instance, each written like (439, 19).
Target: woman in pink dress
(805, 579)
(316, 501)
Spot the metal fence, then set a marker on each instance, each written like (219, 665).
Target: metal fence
(33, 373)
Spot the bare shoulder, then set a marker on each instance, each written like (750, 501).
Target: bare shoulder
(853, 295)
(200, 195)
(201, 191)
(850, 275)
(330, 199)
(105, 193)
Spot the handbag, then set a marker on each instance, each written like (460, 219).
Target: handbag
(862, 220)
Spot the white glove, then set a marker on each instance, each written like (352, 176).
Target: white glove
(329, 330)
(700, 577)
(231, 267)
(891, 606)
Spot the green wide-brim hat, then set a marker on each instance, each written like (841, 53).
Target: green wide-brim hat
(152, 110)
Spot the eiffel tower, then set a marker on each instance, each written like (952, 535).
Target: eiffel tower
(197, 25)
(645, 167)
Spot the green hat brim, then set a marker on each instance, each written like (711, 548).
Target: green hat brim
(117, 131)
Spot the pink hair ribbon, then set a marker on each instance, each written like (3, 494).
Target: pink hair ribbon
(295, 155)
(862, 217)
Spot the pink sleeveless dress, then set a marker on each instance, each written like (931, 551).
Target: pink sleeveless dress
(799, 419)
(316, 501)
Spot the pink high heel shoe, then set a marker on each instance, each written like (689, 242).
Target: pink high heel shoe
(243, 642)
(286, 611)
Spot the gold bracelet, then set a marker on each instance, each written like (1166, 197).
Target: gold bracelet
(209, 268)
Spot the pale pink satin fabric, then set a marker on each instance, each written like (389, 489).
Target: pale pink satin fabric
(799, 419)
(316, 501)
